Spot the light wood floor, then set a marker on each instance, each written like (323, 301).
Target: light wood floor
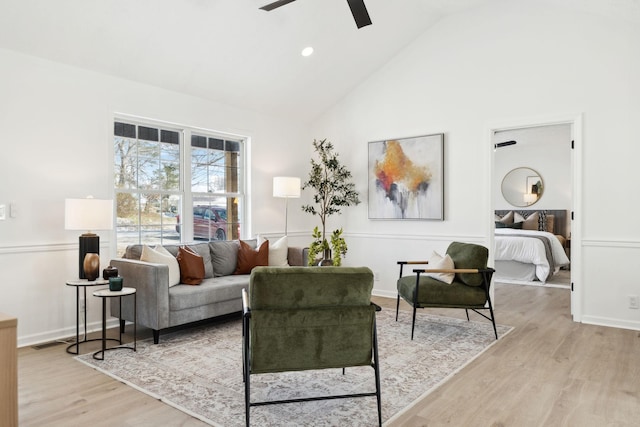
(549, 371)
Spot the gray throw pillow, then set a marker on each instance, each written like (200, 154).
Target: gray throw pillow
(224, 257)
(202, 249)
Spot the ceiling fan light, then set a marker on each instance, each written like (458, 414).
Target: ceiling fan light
(307, 51)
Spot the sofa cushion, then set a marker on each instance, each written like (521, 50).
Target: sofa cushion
(210, 291)
(203, 250)
(434, 293)
(159, 255)
(191, 266)
(278, 252)
(466, 255)
(224, 257)
(248, 258)
(439, 262)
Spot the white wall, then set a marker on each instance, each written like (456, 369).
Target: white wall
(56, 129)
(505, 61)
(544, 149)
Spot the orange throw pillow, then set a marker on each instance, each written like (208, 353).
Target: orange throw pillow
(249, 258)
(191, 266)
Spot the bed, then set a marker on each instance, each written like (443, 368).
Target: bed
(530, 245)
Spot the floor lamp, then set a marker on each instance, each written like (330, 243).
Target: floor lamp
(88, 215)
(287, 187)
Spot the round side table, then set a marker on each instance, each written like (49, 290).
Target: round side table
(82, 283)
(105, 294)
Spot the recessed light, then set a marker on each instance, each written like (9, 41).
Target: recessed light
(307, 51)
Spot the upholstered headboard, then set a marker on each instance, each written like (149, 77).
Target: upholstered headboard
(559, 218)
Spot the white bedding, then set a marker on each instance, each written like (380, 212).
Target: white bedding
(514, 245)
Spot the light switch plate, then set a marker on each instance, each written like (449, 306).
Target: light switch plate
(3, 212)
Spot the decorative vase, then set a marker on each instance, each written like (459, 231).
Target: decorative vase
(326, 258)
(91, 266)
(115, 283)
(110, 271)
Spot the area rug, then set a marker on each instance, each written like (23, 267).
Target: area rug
(198, 370)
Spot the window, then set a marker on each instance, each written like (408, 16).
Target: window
(151, 163)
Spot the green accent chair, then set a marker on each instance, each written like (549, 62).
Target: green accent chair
(301, 318)
(469, 289)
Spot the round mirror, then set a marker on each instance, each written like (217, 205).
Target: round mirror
(522, 187)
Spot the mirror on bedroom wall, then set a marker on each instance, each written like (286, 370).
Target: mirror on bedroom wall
(522, 187)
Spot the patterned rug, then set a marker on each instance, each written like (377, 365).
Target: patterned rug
(198, 370)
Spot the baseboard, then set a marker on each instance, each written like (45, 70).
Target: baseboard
(64, 335)
(633, 325)
(383, 293)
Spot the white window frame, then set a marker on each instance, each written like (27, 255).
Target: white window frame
(184, 191)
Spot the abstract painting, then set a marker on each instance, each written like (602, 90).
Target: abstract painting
(406, 179)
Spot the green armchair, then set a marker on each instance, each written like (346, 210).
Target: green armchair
(301, 318)
(469, 289)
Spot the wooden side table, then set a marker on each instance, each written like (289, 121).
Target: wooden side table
(104, 294)
(8, 371)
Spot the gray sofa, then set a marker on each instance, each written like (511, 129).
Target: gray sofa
(161, 306)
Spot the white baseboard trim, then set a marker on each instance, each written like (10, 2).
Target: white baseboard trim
(67, 335)
(383, 293)
(633, 325)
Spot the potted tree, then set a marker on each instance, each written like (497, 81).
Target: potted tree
(334, 190)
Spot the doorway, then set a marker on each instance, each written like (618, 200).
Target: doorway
(543, 155)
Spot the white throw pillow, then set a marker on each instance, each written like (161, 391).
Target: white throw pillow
(278, 252)
(437, 261)
(517, 218)
(160, 255)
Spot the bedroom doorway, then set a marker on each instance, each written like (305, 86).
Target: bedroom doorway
(534, 180)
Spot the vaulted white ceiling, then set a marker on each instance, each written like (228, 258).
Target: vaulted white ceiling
(231, 52)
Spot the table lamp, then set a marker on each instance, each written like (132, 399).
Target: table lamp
(88, 215)
(287, 187)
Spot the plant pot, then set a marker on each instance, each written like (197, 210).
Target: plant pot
(326, 258)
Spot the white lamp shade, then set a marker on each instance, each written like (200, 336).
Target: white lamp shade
(286, 186)
(88, 214)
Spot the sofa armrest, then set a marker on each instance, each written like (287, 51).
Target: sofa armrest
(297, 256)
(152, 287)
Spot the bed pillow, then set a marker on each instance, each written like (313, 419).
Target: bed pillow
(160, 255)
(517, 225)
(550, 224)
(507, 219)
(438, 261)
(191, 266)
(249, 257)
(531, 223)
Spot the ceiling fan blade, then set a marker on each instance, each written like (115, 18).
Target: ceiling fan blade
(276, 4)
(360, 14)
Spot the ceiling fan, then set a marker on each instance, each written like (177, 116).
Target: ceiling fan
(358, 9)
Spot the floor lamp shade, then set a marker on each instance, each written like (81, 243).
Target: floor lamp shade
(88, 215)
(287, 187)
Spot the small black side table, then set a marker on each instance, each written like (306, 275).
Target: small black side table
(104, 294)
(82, 283)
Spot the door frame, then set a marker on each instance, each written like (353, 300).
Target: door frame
(575, 120)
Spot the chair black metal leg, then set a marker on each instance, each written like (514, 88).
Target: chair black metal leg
(413, 322)
(377, 373)
(245, 368)
(397, 307)
(493, 319)
(467, 311)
